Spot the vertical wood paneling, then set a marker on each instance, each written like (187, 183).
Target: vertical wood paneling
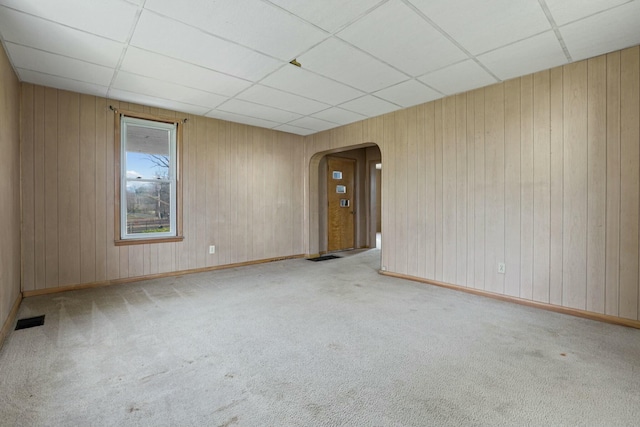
(422, 199)
(512, 186)
(449, 201)
(470, 197)
(439, 189)
(39, 187)
(27, 153)
(494, 172)
(430, 170)
(113, 252)
(541, 185)
(101, 204)
(629, 186)
(479, 190)
(612, 250)
(526, 190)
(556, 172)
(461, 189)
(412, 226)
(389, 178)
(401, 235)
(597, 182)
(51, 187)
(575, 186)
(87, 176)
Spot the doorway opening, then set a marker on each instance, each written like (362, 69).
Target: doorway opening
(349, 199)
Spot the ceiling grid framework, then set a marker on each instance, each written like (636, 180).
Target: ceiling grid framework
(230, 59)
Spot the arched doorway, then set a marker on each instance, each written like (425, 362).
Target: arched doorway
(365, 201)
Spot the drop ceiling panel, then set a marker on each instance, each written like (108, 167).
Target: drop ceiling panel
(337, 60)
(617, 28)
(369, 106)
(258, 111)
(423, 47)
(171, 70)
(408, 93)
(297, 80)
(36, 60)
(122, 95)
(564, 11)
(282, 100)
(480, 26)
(30, 31)
(458, 78)
(253, 23)
(294, 129)
(42, 79)
(313, 124)
(239, 118)
(112, 19)
(339, 115)
(325, 13)
(525, 57)
(171, 38)
(148, 86)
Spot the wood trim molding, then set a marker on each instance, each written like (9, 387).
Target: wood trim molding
(126, 242)
(9, 323)
(180, 123)
(541, 305)
(27, 294)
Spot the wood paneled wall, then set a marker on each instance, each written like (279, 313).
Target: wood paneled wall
(540, 172)
(241, 184)
(9, 189)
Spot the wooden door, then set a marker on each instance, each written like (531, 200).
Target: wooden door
(341, 201)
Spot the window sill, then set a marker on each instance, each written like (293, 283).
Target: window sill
(126, 242)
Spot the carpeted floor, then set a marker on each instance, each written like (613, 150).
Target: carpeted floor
(297, 343)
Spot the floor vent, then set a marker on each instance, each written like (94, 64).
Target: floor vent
(30, 322)
(323, 258)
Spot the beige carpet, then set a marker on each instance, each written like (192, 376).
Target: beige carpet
(297, 343)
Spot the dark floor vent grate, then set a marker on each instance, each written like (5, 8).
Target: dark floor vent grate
(30, 322)
(323, 258)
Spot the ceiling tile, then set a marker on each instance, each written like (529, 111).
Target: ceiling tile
(258, 111)
(564, 11)
(325, 14)
(294, 129)
(42, 79)
(171, 38)
(605, 32)
(30, 31)
(239, 118)
(528, 56)
(278, 99)
(369, 106)
(458, 78)
(253, 23)
(408, 93)
(297, 80)
(340, 116)
(480, 26)
(148, 86)
(112, 19)
(123, 95)
(408, 41)
(335, 59)
(313, 124)
(160, 67)
(36, 60)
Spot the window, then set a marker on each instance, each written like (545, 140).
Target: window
(148, 187)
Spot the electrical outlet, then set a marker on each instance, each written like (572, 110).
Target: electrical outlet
(501, 267)
(212, 249)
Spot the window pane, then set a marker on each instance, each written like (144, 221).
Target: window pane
(148, 207)
(147, 152)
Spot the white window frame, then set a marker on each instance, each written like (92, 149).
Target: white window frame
(172, 180)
